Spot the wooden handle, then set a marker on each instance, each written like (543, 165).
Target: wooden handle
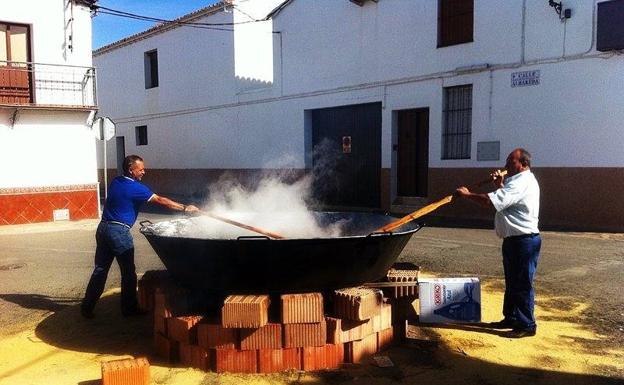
(416, 214)
(427, 209)
(242, 225)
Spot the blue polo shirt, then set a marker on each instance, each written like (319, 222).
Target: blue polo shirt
(125, 198)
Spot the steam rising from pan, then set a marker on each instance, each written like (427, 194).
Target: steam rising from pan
(274, 205)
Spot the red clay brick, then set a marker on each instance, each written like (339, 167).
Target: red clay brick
(270, 360)
(126, 372)
(291, 358)
(341, 331)
(383, 320)
(161, 307)
(171, 300)
(329, 356)
(183, 329)
(403, 272)
(215, 336)
(166, 348)
(278, 360)
(148, 285)
(268, 336)
(357, 303)
(302, 308)
(313, 358)
(355, 351)
(385, 338)
(303, 335)
(334, 355)
(144, 298)
(186, 357)
(235, 361)
(160, 324)
(245, 311)
(194, 356)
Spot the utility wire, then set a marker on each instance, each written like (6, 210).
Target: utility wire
(171, 22)
(115, 12)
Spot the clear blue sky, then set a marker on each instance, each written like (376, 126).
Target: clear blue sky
(108, 29)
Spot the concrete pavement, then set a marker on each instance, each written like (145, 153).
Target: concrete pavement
(45, 267)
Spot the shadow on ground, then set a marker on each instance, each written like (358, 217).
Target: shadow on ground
(416, 361)
(109, 333)
(39, 302)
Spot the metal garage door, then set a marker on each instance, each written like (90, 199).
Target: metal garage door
(347, 155)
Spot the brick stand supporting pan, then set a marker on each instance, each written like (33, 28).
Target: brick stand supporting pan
(260, 264)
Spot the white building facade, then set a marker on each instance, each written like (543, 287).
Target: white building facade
(407, 98)
(48, 167)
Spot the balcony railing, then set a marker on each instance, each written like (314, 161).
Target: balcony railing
(38, 84)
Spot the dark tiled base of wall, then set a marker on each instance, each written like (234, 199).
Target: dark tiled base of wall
(38, 207)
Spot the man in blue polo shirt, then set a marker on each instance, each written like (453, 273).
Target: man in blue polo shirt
(517, 207)
(126, 195)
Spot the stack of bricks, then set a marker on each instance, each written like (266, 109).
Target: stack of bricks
(362, 322)
(126, 372)
(252, 336)
(305, 330)
(402, 297)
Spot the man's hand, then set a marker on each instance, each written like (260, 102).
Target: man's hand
(480, 199)
(497, 178)
(191, 210)
(462, 192)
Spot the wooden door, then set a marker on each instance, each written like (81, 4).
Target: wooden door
(413, 152)
(347, 161)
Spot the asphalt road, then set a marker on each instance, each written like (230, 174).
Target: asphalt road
(44, 268)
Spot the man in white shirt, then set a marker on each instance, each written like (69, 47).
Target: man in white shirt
(517, 207)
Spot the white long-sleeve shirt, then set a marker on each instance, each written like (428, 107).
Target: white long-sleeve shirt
(517, 205)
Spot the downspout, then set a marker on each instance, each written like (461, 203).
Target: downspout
(522, 34)
(281, 58)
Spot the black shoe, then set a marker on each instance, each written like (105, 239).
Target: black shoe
(521, 333)
(135, 313)
(88, 314)
(503, 324)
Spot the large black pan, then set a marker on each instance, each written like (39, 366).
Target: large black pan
(260, 264)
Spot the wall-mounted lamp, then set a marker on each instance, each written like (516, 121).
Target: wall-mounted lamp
(567, 13)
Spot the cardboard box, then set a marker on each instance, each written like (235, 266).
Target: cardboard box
(449, 300)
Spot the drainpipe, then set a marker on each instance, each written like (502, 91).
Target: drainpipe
(523, 33)
(281, 59)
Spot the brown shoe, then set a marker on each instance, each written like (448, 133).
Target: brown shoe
(88, 314)
(502, 324)
(521, 333)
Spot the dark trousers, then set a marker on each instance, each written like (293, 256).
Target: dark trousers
(113, 241)
(520, 256)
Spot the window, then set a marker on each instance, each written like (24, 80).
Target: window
(457, 127)
(151, 69)
(455, 22)
(141, 135)
(15, 77)
(13, 44)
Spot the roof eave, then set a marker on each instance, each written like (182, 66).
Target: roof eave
(160, 28)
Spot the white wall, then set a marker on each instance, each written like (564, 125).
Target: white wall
(253, 44)
(53, 146)
(332, 53)
(46, 149)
